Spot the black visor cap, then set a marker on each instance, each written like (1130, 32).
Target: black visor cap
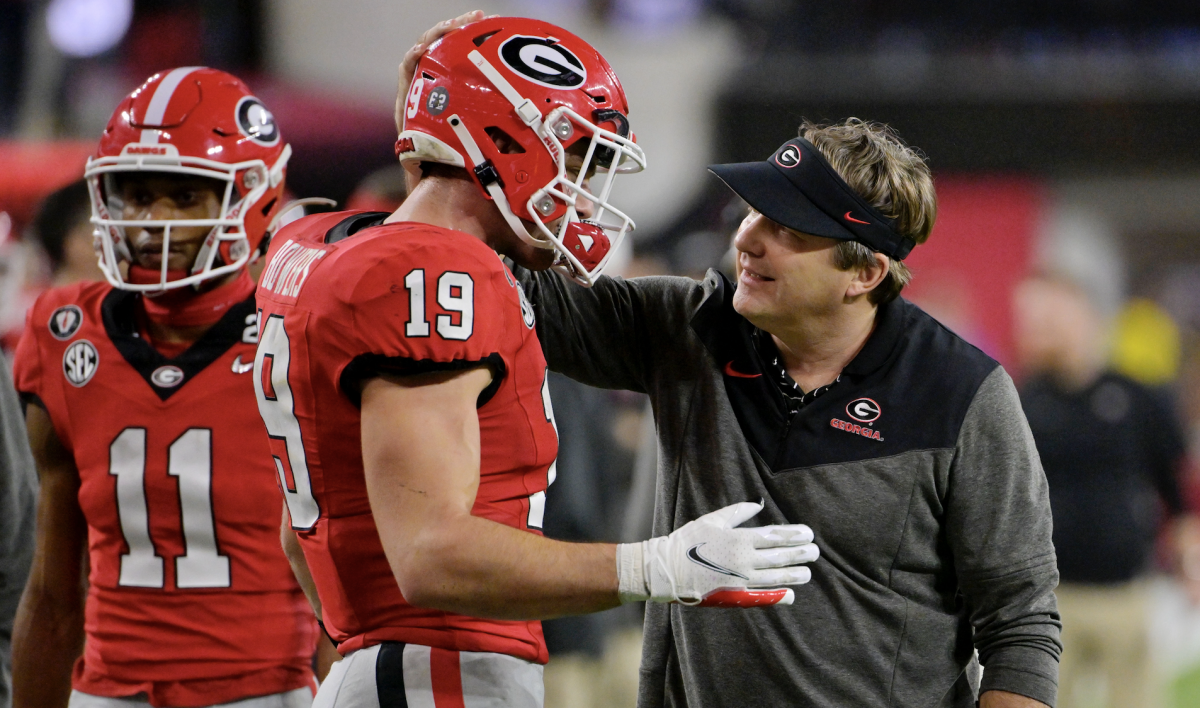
(797, 188)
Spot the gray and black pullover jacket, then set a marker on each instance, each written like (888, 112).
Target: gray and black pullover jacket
(916, 472)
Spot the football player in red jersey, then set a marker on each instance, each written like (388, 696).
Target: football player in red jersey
(141, 416)
(404, 390)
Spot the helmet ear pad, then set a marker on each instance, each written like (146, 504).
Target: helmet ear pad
(521, 165)
(256, 218)
(519, 157)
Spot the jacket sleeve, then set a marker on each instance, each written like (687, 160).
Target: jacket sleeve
(999, 529)
(612, 334)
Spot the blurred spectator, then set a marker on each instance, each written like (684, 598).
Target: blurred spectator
(598, 435)
(382, 190)
(18, 501)
(603, 491)
(63, 228)
(20, 283)
(1112, 450)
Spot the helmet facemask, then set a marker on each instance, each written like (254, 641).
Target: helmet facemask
(225, 249)
(607, 154)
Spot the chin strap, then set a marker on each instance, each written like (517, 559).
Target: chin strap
(486, 173)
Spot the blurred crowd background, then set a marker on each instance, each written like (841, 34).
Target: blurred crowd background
(1064, 140)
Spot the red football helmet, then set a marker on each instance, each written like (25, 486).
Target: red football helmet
(192, 121)
(506, 98)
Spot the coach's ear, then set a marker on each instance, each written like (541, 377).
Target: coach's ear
(408, 66)
(868, 277)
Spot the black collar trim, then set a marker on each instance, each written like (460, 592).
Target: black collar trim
(353, 224)
(715, 322)
(120, 322)
(889, 328)
(729, 337)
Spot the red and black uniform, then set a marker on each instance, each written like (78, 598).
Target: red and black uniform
(344, 298)
(191, 600)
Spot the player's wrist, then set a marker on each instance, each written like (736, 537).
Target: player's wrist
(633, 583)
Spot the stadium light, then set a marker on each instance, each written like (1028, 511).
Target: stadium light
(86, 28)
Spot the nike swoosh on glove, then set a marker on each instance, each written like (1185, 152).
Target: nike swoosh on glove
(709, 562)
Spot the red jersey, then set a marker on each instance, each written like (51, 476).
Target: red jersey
(191, 599)
(344, 297)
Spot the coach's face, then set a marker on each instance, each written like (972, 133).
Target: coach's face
(784, 276)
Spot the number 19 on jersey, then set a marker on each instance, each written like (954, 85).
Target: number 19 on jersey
(277, 407)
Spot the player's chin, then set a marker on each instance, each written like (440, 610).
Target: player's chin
(175, 261)
(533, 258)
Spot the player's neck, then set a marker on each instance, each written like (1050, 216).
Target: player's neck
(451, 204)
(180, 317)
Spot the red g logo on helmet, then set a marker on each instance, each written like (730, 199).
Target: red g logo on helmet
(256, 122)
(543, 61)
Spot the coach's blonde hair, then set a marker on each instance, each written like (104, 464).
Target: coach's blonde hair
(890, 176)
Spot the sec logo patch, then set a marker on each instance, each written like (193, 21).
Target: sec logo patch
(65, 322)
(80, 362)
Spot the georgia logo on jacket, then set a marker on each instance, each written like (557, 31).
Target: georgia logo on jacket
(864, 410)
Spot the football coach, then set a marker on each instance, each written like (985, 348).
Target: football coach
(812, 385)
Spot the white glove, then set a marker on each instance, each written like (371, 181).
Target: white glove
(710, 563)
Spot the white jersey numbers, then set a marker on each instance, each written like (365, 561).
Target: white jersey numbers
(190, 460)
(455, 295)
(537, 500)
(275, 405)
(417, 325)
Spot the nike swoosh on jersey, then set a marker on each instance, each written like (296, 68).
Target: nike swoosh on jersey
(730, 371)
(694, 556)
(240, 368)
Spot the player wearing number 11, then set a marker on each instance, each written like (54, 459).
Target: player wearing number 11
(404, 389)
(142, 420)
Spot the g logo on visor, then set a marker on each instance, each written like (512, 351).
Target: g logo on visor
(256, 122)
(543, 62)
(788, 157)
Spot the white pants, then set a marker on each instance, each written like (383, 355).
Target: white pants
(395, 675)
(297, 698)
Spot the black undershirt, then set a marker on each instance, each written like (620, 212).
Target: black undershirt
(772, 362)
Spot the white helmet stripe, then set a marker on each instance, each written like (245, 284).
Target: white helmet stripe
(525, 108)
(161, 99)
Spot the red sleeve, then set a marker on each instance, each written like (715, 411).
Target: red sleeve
(430, 305)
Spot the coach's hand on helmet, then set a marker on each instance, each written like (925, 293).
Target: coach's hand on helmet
(709, 562)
